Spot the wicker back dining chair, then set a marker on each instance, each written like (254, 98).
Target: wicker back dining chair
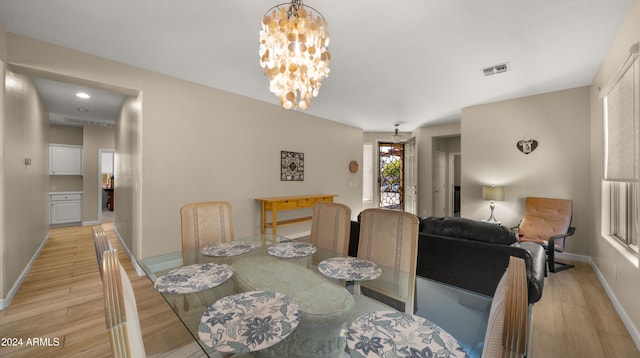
(121, 312)
(390, 238)
(204, 223)
(331, 226)
(507, 328)
(101, 244)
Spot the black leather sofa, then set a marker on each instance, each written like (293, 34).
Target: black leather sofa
(470, 254)
(473, 255)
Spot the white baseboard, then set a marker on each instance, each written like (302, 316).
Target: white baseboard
(133, 260)
(4, 302)
(297, 235)
(91, 223)
(633, 330)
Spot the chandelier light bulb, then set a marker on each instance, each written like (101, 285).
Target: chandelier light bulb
(294, 52)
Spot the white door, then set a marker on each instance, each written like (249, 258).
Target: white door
(439, 184)
(411, 176)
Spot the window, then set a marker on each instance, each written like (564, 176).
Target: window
(621, 103)
(623, 213)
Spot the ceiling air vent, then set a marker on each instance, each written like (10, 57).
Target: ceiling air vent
(89, 122)
(493, 70)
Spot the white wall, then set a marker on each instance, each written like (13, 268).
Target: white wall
(558, 168)
(26, 187)
(619, 268)
(425, 137)
(3, 56)
(195, 143)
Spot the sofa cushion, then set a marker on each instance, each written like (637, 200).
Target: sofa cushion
(468, 229)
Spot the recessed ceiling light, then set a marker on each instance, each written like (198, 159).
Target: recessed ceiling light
(83, 95)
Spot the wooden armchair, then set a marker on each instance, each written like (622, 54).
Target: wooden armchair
(548, 222)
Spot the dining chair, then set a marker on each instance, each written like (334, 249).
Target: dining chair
(101, 244)
(389, 238)
(204, 223)
(331, 226)
(508, 326)
(121, 312)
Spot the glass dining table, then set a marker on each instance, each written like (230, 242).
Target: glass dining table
(269, 296)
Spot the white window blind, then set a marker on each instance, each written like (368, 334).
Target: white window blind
(367, 173)
(622, 123)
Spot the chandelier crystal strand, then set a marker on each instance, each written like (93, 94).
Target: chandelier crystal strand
(293, 52)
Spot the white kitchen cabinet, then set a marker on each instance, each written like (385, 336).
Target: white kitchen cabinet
(65, 159)
(66, 207)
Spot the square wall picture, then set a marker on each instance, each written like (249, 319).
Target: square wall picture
(291, 166)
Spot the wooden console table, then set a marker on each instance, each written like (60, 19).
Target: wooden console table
(281, 203)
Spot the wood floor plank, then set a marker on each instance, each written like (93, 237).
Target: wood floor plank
(580, 334)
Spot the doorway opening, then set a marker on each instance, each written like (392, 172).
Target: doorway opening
(447, 169)
(391, 175)
(106, 193)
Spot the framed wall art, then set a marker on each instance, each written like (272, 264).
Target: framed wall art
(291, 166)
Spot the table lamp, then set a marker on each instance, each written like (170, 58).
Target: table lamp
(493, 193)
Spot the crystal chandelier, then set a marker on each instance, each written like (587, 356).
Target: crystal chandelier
(293, 52)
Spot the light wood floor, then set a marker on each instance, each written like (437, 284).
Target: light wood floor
(62, 298)
(575, 318)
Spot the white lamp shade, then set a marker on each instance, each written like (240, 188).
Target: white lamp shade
(493, 193)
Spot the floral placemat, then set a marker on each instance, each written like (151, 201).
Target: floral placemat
(231, 248)
(292, 249)
(248, 322)
(349, 269)
(193, 278)
(399, 334)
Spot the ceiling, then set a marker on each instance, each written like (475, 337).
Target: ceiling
(66, 108)
(413, 62)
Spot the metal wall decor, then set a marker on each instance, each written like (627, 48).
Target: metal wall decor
(527, 146)
(291, 166)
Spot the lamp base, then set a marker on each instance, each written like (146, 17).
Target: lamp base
(492, 218)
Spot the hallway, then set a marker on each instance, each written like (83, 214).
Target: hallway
(61, 302)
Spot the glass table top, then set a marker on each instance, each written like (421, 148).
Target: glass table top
(298, 277)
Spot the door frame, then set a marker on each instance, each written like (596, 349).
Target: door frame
(411, 177)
